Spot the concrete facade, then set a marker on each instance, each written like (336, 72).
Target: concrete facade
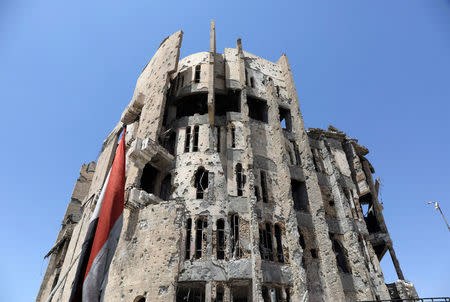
(228, 196)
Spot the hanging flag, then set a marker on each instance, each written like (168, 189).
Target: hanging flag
(103, 234)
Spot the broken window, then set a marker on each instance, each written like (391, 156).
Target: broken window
(246, 77)
(201, 227)
(265, 196)
(278, 90)
(148, 178)
(265, 241)
(300, 196)
(314, 253)
(230, 102)
(240, 179)
(189, 105)
(278, 235)
(195, 144)
(197, 74)
(166, 187)
(188, 239)
(285, 118)
(187, 141)
(317, 160)
(218, 139)
(341, 257)
(257, 195)
(240, 293)
(257, 109)
(219, 293)
(301, 239)
(233, 137)
(190, 292)
(234, 238)
(167, 140)
(220, 239)
(252, 82)
(201, 182)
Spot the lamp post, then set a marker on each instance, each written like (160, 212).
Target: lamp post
(437, 207)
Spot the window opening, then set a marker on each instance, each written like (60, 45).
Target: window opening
(187, 141)
(240, 293)
(300, 195)
(188, 239)
(246, 77)
(148, 178)
(201, 182)
(265, 196)
(239, 180)
(297, 153)
(278, 90)
(218, 139)
(201, 224)
(192, 104)
(195, 145)
(197, 74)
(252, 82)
(257, 195)
(278, 234)
(301, 239)
(233, 137)
(191, 292)
(265, 244)
(220, 239)
(314, 253)
(257, 109)
(229, 102)
(235, 249)
(285, 118)
(166, 187)
(341, 258)
(219, 293)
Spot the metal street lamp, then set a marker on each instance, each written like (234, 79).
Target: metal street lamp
(436, 206)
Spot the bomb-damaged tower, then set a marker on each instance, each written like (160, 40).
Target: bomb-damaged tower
(228, 196)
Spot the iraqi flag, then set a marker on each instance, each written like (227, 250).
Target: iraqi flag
(102, 235)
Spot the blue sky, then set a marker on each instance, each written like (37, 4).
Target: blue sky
(378, 70)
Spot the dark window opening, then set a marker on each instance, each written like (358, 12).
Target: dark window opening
(297, 153)
(341, 257)
(230, 102)
(278, 235)
(257, 195)
(257, 109)
(252, 82)
(166, 187)
(235, 246)
(201, 224)
(301, 240)
(187, 141)
(278, 295)
(246, 77)
(285, 118)
(278, 90)
(265, 196)
(265, 294)
(233, 137)
(288, 294)
(219, 293)
(148, 179)
(314, 253)
(300, 196)
(192, 104)
(218, 139)
(188, 239)
(331, 203)
(201, 182)
(290, 153)
(191, 292)
(240, 180)
(240, 293)
(220, 239)
(167, 140)
(265, 242)
(197, 74)
(195, 144)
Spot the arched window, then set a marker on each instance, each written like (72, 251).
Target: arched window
(201, 182)
(341, 257)
(187, 141)
(201, 228)
(197, 74)
(139, 299)
(195, 145)
(234, 236)
(220, 244)
(233, 137)
(239, 180)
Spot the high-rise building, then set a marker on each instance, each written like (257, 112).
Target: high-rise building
(228, 197)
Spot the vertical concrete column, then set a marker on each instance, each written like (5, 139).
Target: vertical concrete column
(208, 291)
(211, 72)
(330, 278)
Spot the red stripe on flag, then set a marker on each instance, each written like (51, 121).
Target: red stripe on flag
(113, 202)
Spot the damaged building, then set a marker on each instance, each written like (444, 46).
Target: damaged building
(228, 197)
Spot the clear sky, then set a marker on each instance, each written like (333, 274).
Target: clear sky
(378, 70)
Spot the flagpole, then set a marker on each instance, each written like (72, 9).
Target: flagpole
(50, 297)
